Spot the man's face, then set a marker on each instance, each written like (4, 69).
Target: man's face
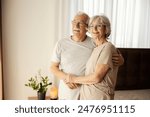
(79, 26)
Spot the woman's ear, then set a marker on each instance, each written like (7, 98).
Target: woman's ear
(106, 32)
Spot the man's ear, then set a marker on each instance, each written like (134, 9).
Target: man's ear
(86, 28)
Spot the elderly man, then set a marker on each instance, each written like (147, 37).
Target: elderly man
(70, 56)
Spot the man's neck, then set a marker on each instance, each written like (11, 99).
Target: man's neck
(79, 39)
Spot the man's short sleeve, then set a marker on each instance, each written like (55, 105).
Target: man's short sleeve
(56, 56)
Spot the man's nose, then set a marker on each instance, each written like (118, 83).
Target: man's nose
(77, 25)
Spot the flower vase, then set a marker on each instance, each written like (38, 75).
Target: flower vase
(41, 95)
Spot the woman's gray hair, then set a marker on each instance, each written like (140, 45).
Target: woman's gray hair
(102, 19)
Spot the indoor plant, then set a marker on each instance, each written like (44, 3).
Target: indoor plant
(40, 84)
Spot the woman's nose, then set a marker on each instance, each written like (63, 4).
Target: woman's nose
(95, 28)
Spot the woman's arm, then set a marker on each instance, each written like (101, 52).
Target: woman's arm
(96, 77)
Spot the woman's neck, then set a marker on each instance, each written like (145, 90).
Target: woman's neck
(100, 41)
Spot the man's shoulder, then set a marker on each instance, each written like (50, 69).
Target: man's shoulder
(90, 41)
(63, 40)
(88, 37)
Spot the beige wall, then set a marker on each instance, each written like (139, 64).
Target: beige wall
(28, 36)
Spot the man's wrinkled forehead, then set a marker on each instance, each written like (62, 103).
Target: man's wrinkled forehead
(80, 18)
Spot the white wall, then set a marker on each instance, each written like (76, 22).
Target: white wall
(28, 36)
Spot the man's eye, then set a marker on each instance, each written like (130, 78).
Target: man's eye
(90, 26)
(100, 26)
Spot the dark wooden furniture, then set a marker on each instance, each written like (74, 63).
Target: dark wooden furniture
(135, 73)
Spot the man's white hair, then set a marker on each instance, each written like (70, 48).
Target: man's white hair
(79, 13)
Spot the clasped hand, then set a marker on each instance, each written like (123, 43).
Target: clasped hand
(67, 80)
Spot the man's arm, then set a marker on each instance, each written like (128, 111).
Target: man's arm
(54, 68)
(118, 59)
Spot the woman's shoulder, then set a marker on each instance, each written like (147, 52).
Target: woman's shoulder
(109, 45)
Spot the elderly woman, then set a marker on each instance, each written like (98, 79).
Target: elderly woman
(100, 75)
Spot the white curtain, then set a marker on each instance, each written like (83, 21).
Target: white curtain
(130, 19)
(62, 19)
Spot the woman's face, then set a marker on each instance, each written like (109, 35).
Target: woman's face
(97, 29)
